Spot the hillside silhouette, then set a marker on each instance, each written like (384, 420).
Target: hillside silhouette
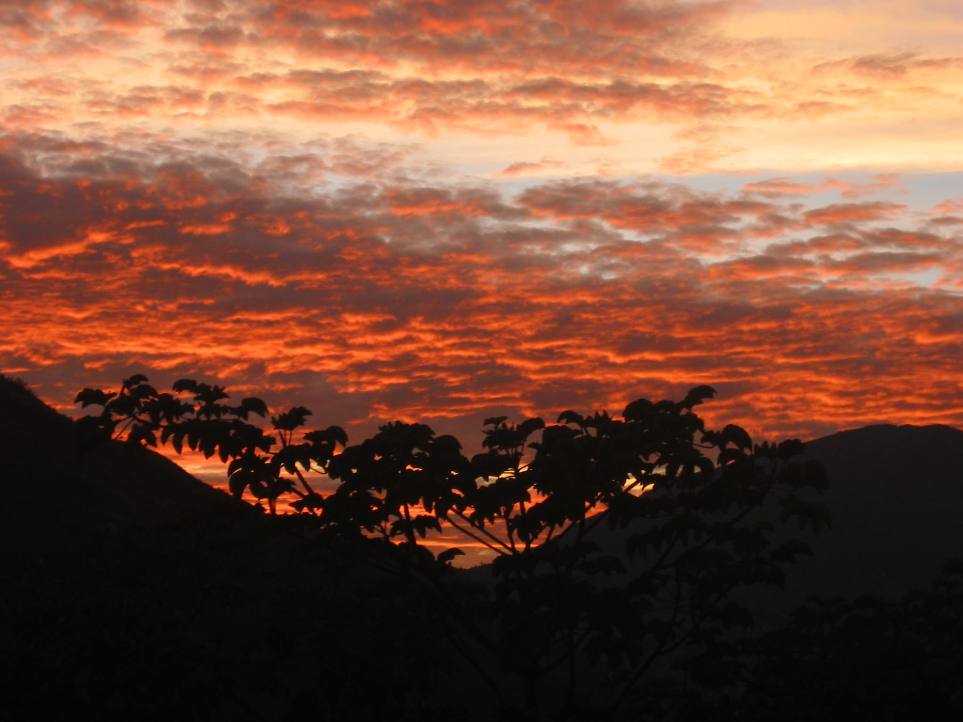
(135, 591)
(81, 497)
(896, 502)
(896, 497)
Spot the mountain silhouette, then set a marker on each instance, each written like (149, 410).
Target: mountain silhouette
(71, 499)
(896, 498)
(896, 502)
(133, 590)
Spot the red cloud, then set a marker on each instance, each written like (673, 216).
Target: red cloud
(477, 65)
(776, 187)
(449, 303)
(852, 212)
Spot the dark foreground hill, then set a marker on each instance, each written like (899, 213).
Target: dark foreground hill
(896, 498)
(896, 502)
(884, 638)
(71, 504)
(133, 591)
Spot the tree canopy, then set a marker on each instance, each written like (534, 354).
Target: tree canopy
(619, 542)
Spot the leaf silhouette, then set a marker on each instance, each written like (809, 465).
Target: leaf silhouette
(684, 508)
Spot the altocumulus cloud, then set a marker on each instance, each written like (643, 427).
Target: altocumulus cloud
(387, 293)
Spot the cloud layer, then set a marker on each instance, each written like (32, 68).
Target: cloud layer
(598, 75)
(447, 210)
(384, 294)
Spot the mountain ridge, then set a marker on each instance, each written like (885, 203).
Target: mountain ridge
(133, 590)
(125, 575)
(896, 495)
(159, 491)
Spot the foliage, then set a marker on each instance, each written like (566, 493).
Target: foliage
(860, 658)
(196, 415)
(617, 541)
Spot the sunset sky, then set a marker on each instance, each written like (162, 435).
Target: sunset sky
(441, 211)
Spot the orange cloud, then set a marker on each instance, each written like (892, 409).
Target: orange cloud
(887, 65)
(450, 302)
(851, 212)
(776, 187)
(608, 79)
(170, 201)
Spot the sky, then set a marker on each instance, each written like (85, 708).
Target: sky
(443, 211)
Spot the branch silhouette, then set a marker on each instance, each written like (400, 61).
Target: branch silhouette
(619, 542)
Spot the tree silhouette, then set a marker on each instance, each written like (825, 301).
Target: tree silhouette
(618, 542)
(859, 658)
(196, 415)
